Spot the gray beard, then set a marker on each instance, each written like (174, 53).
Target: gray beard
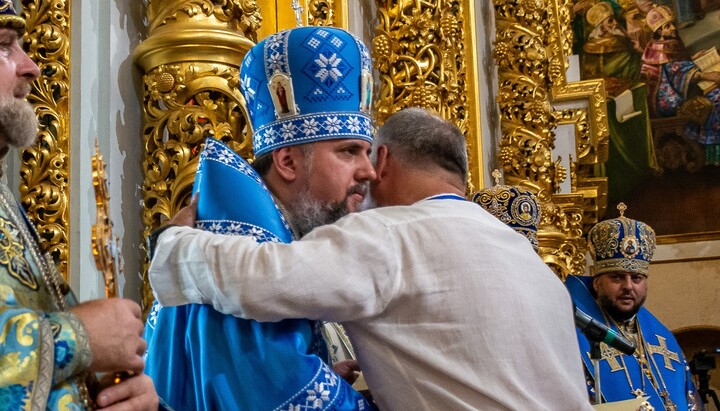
(308, 213)
(18, 123)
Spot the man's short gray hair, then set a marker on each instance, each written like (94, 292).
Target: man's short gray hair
(419, 138)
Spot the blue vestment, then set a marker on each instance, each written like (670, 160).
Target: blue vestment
(201, 359)
(615, 368)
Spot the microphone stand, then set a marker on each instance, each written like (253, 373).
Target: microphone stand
(595, 356)
(596, 333)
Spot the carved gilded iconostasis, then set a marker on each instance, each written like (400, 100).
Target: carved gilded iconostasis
(426, 53)
(45, 169)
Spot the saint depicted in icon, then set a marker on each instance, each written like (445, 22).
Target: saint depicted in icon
(281, 92)
(366, 88)
(525, 211)
(282, 98)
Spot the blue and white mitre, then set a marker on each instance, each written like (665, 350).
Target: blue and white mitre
(514, 206)
(307, 84)
(621, 244)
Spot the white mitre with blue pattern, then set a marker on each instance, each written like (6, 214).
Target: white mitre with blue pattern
(307, 84)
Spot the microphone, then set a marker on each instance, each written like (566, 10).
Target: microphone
(599, 332)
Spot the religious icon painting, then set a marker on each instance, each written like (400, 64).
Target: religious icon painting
(630, 247)
(366, 91)
(283, 97)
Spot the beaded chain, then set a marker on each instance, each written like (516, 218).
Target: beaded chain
(645, 364)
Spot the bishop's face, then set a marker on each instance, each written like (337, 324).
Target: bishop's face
(334, 182)
(17, 71)
(18, 124)
(339, 171)
(621, 293)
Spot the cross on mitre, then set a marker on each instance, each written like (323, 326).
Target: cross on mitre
(298, 12)
(496, 175)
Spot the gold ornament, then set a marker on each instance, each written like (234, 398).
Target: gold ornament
(45, 167)
(425, 55)
(191, 62)
(532, 42)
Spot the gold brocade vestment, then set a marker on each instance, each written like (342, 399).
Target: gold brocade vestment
(42, 348)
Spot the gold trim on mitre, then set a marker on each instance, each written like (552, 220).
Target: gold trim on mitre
(598, 13)
(620, 264)
(9, 17)
(658, 16)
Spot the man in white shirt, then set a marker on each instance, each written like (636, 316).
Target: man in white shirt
(446, 306)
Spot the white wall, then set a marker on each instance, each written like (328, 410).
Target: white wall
(105, 105)
(106, 101)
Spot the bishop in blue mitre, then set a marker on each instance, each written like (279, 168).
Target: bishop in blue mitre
(200, 359)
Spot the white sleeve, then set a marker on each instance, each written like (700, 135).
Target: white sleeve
(339, 272)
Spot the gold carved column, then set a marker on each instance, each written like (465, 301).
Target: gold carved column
(533, 41)
(45, 167)
(191, 61)
(425, 54)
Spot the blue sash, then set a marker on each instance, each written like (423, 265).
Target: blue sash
(200, 359)
(614, 383)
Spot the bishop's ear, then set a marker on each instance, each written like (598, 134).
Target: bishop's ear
(595, 285)
(288, 162)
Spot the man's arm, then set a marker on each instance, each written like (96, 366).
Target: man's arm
(338, 272)
(100, 335)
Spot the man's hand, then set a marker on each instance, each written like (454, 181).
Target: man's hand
(348, 370)
(135, 393)
(187, 215)
(115, 330)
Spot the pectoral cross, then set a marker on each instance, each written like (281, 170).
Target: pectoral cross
(298, 12)
(663, 350)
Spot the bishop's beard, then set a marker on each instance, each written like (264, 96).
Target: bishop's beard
(18, 123)
(307, 213)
